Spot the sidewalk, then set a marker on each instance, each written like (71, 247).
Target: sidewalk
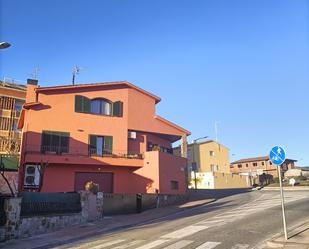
(107, 225)
(286, 188)
(298, 238)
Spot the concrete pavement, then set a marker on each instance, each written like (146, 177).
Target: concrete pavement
(298, 238)
(107, 225)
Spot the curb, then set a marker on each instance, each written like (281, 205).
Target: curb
(286, 188)
(114, 229)
(272, 243)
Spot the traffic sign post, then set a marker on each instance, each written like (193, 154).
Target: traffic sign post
(277, 156)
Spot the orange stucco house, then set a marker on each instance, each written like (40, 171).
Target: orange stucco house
(107, 133)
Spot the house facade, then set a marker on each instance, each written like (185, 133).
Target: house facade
(260, 166)
(209, 156)
(212, 167)
(107, 133)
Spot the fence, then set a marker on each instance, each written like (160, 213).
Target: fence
(2, 212)
(132, 203)
(49, 203)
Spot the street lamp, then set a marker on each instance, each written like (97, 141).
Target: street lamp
(194, 164)
(4, 45)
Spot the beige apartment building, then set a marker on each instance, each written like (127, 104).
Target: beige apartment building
(12, 98)
(260, 167)
(209, 156)
(212, 166)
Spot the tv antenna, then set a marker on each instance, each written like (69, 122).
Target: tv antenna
(35, 73)
(76, 71)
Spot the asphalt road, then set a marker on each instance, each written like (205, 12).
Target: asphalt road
(236, 222)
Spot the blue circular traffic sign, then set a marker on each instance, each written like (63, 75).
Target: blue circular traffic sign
(277, 155)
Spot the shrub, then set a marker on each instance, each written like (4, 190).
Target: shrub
(92, 187)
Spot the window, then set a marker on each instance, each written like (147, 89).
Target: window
(18, 107)
(211, 153)
(270, 163)
(98, 106)
(247, 165)
(263, 163)
(54, 141)
(255, 164)
(239, 165)
(100, 145)
(174, 185)
(214, 168)
(156, 147)
(101, 106)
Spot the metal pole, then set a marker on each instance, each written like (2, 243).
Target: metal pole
(282, 204)
(195, 183)
(193, 152)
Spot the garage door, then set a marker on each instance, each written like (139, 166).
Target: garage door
(105, 181)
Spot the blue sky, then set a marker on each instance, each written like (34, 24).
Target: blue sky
(242, 63)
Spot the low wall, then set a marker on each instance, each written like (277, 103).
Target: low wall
(17, 226)
(127, 203)
(229, 181)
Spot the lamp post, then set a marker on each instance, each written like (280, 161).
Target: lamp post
(194, 164)
(4, 45)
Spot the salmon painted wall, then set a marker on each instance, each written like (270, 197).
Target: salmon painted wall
(172, 168)
(150, 170)
(142, 117)
(61, 178)
(58, 114)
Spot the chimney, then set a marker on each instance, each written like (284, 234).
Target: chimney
(31, 95)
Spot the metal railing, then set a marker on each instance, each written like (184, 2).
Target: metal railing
(81, 152)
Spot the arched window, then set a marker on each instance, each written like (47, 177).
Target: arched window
(101, 106)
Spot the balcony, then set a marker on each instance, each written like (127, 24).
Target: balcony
(78, 156)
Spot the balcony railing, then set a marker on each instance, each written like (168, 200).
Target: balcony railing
(77, 151)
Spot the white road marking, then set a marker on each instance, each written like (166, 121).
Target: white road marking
(153, 244)
(107, 244)
(212, 222)
(129, 244)
(208, 245)
(83, 244)
(179, 234)
(180, 244)
(240, 246)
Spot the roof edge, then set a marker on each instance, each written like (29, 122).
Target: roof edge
(112, 83)
(172, 124)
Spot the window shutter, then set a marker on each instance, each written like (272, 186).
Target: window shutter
(82, 104)
(92, 144)
(86, 105)
(108, 145)
(118, 109)
(78, 103)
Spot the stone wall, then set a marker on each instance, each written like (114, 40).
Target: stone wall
(20, 227)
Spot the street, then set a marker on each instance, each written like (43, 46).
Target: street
(238, 222)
